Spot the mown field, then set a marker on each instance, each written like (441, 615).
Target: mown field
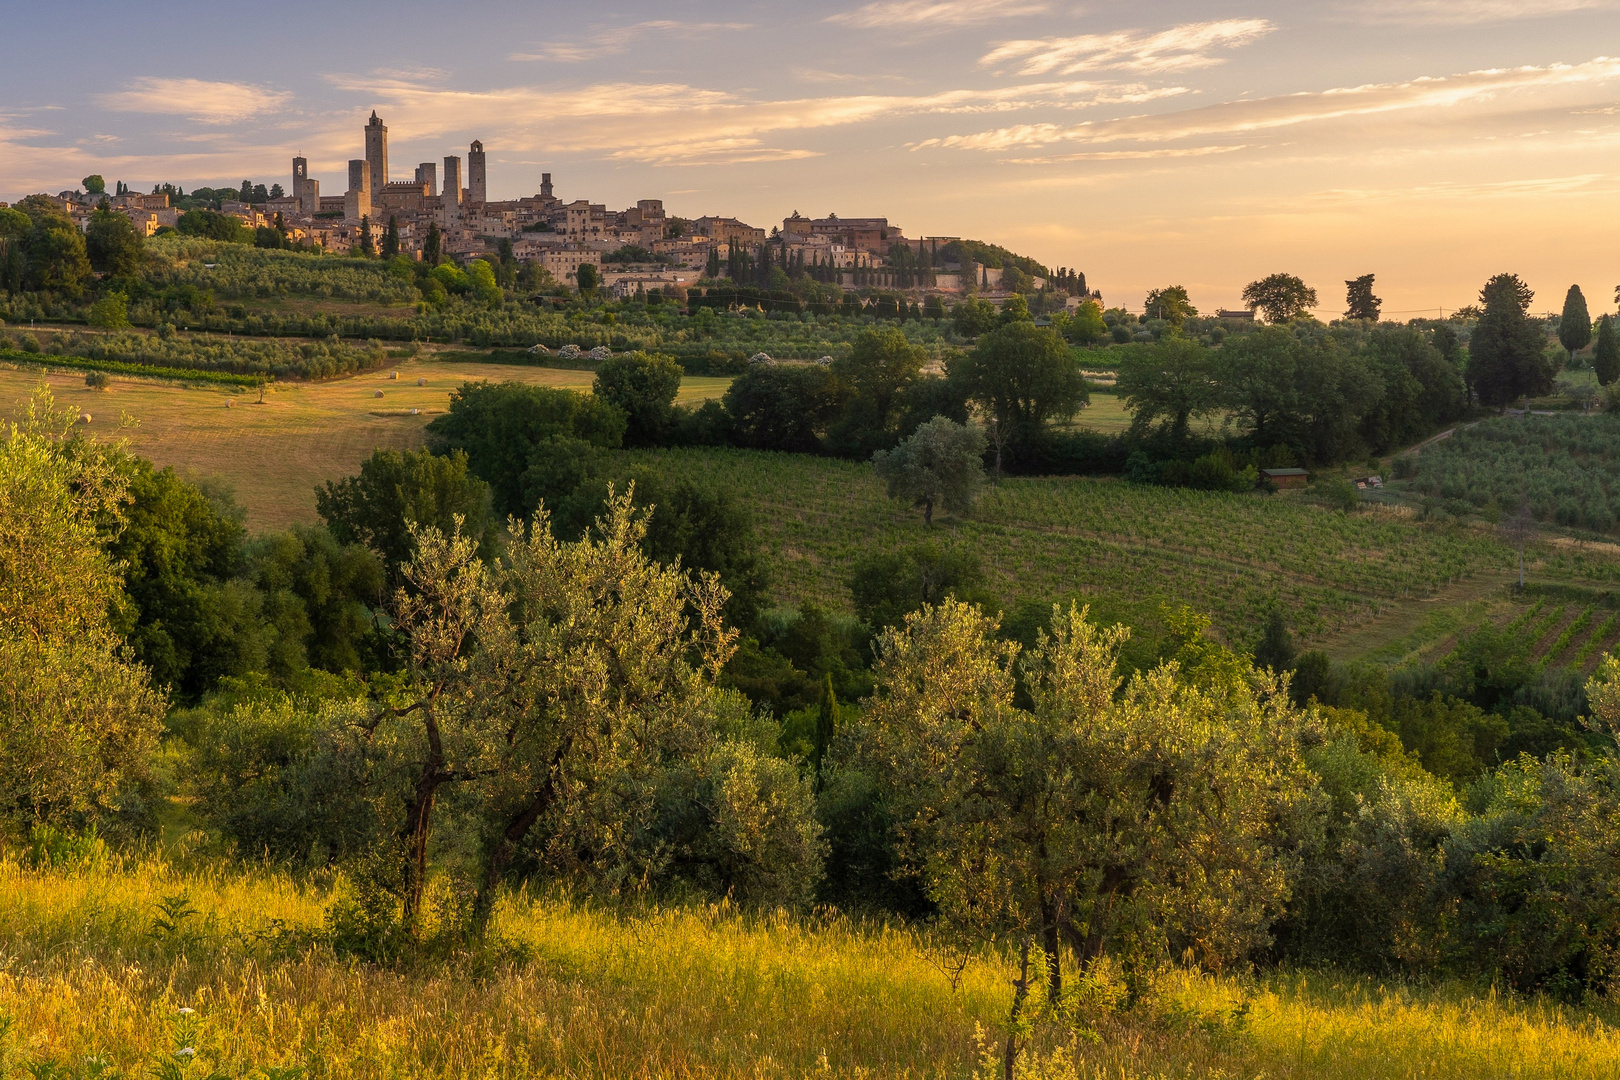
(1123, 547)
(272, 455)
(103, 963)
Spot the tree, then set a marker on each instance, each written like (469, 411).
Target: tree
(1024, 377)
(784, 406)
(390, 243)
(111, 312)
(112, 244)
(880, 365)
(1043, 801)
(973, 317)
(78, 720)
(1172, 380)
(1086, 326)
(1311, 396)
(367, 248)
(1606, 355)
(889, 585)
(1575, 327)
(54, 250)
(588, 278)
(643, 386)
(1359, 301)
(1170, 304)
(433, 245)
(397, 493)
(94, 184)
(1505, 353)
(941, 464)
(1280, 297)
(1276, 649)
(508, 429)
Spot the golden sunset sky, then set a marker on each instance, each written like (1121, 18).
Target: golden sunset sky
(1430, 142)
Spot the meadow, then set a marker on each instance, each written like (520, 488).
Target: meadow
(102, 961)
(272, 455)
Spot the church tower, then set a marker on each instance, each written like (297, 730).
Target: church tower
(377, 153)
(475, 173)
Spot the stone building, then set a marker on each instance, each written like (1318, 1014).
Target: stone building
(377, 152)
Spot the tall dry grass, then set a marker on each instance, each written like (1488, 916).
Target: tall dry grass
(87, 968)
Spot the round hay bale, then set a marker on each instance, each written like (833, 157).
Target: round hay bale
(229, 404)
(377, 393)
(84, 418)
(415, 411)
(395, 375)
(422, 381)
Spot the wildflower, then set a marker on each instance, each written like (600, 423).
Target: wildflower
(186, 1051)
(185, 1010)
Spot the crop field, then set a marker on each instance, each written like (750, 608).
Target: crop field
(273, 455)
(1124, 548)
(92, 966)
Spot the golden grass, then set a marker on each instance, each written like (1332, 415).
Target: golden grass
(698, 991)
(274, 455)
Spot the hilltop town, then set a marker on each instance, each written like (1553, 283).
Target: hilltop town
(638, 249)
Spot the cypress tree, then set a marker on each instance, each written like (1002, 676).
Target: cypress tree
(826, 725)
(433, 245)
(368, 248)
(1606, 357)
(390, 244)
(1505, 359)
(1575, 328)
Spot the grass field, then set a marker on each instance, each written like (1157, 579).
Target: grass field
(1125, 548)
(273, 455)
(88, 969)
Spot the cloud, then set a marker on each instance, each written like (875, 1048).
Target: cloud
(1176, 49)
(1466, 12)
(196, 99)
(1525, 90)
(934, 14)
(667, 123)
(611, 41)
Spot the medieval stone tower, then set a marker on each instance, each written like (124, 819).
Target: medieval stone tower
(475, 173)
(377, 152)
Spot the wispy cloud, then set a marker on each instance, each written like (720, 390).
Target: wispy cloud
(1465, 12)
(614, 40)
(1176, 49)
(196, 99)
(934, 14)
(633, 122)
(1528, 90)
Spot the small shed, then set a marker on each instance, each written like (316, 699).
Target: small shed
(1286, 478)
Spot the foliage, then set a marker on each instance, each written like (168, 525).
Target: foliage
(1561, 466)
(1606, 354)
(110, 312)
(1279, 297)
(888, 586)
(1133, 825)
(1024, 377)
(78, 722)
(398, 493)
(508, 428)
(112, 245)
(1170, 304)
(784, 406)
(643, 386)
(212, 225)
(1359, 301)
(1170, 382)
(941, 463)
(1505, 357)
(1575, 325)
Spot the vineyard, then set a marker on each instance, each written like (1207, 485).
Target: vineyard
(168, 352)
(1566, 468)
(1123, 548)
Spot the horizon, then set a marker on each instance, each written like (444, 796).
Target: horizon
(1432, 144)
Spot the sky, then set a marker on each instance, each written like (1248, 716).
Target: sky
(1430, 142)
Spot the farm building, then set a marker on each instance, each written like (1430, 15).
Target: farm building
(1286, 478)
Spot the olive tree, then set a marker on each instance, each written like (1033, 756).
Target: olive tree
(941, 464)
(78, 720)
(1135, 818)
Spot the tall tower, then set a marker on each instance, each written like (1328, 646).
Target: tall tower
(451, 198)
(475, 172)
(377, 152)
(545, 185)
(305, 190)
(357, 200)
(428, 173)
